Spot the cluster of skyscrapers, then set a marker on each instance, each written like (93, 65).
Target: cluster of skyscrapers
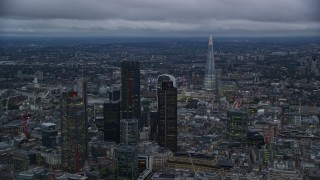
(122, 121)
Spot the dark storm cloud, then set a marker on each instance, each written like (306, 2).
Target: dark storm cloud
(160, 17)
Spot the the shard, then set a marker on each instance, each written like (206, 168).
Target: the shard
(210, 77)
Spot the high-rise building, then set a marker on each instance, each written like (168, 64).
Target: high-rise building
(167, 111)
(49, 135)
(130, 90)
(127, 152)
(145, 112)
(210, 76)
(163, 78)
(111, 113)
(114, 93)
(154, 122)
(80, 86)
(237, 125)
(74, 142)
(127, 159)
(129, 132)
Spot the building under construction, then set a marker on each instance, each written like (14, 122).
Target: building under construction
(73, 132)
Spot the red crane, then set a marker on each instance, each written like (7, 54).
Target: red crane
(282, 118)
(25, 121)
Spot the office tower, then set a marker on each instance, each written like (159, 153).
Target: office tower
(130, 90)
(210, 77)
(111, 113)
(167, 109)
(145, 112)
(154, 121)
(49, 135)
(99, 122)
(127, 159)
(127, 152)
(74, 132)
(114, 93)
(163, 78)
(237, 125)
(129, 132)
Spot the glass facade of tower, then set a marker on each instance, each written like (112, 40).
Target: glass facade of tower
(210, 77)
(127, 157)
(167, 111)
(111, 113)
(237, 125)
(73, 132)
(130, 90)
(49, 135)
(129, 132)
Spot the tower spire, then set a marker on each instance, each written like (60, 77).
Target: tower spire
(210, 40)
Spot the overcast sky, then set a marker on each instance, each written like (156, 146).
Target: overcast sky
(160, 17)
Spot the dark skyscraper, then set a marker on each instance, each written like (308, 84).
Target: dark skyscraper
(49, 135)
(167, 109)
(130, 90)
(73, 131)
(111, 113)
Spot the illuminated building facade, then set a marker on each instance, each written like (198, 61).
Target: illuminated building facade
(237, 125)
(74, 142)
(130, 90)
(167, 111)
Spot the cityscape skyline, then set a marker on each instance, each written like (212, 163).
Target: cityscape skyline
(126, 89)
(165, 18)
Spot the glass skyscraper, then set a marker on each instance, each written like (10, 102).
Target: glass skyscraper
(237, 125)
(111, 113)
(167, 111)
(130, 90)
(210, 77)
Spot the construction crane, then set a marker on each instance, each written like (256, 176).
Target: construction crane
(194, 171)
(237, 103)
(25, 122)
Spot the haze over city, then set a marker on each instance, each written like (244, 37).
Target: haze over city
(160, 18)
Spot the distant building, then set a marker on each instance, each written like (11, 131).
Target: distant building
(154, 121)
(167, 109)
(130, 90)
(237, 125)
(210, 77)
(99, 122)
(49, 135)
(114, 93)
(74, 133)
(111, 113)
